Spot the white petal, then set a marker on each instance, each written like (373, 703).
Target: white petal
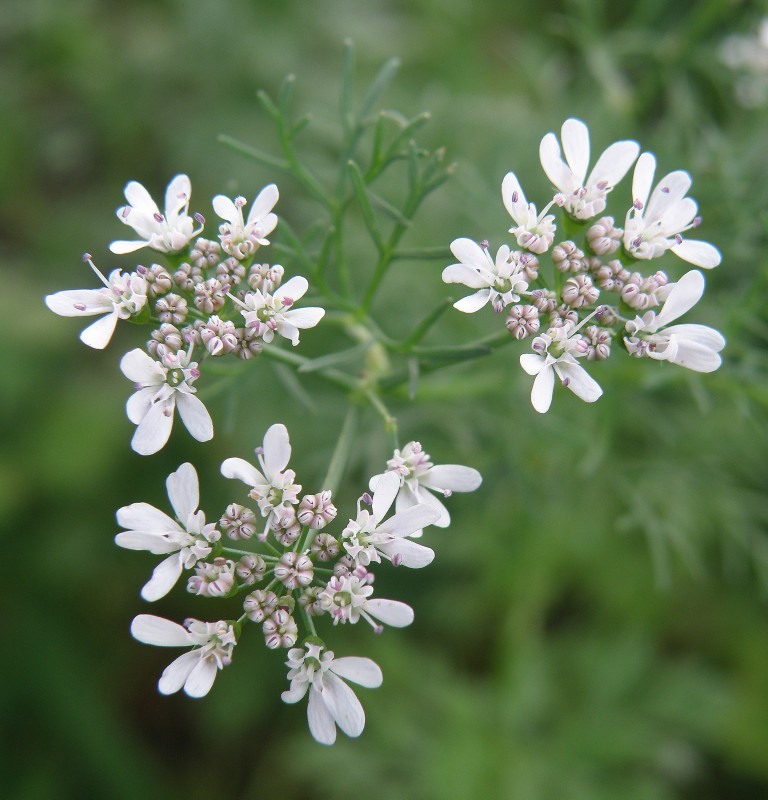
(183, 491)
(696, 356)
(154, 543)
(226, 209)
(176, 673)
(670, 190)
(700, 254)
(553, 165)
(701, 334)
(277, 450)
(98, 334)
(79, 302)
(138, 197)
(453, 477)
(362, 671)
(614, 163)
(514, 199)
(264, 203)
(295, 693)
(163, 579)
(575, 138)
(195, 417)
(470, 253)
(472, 277)
(427, 498)
(153, 431)
(541, 392)
(473, 302)
(138, 404)
(386, 490)
(295, 288)
(161, 632)
(642, 179)
(138, 367)
(532, 363)
(144, 517)
(404, 523)
(305, 317)
(177, 197)
(201, 679)
(580, 382)
(412, 554)
(683, 297)
(240, 469)
(321, 724)
(343, 704)
(390, 612)
(122, 247)
(677, 216)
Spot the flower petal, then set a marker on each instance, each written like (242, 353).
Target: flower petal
(700, 254)
(122, 247)
(138, 197)
(226, 209)
(201, 678)
(138, 404)
(453, 477)
(362, 671)
(144, 517)
(98, 334)
(343, 704)
(153, 431)
(473, 277)
(682, 298)
(138, 367)
(277, 450)
(614, 163)
(177, 197)
(575, 138)
(411, 554)
(532, 363)
(384, 495)
(553, 165)
(390, 612)
(413, 519)
(543, 387)
(158, 631)
(155, 543)
(514, 199)
(163, 579)
(580, 382)
(195, 417)
(240, 469)
(295, 288)
(176, 673)
(305, 317)
(79, 302)
(183, 491)
(642, 178)
(321, 724)
(265, 201)
(473, 302)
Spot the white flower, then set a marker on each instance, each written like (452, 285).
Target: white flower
(498, 281)
(655, 225)
(163, 386)
(693, 346)
(167, 232)
(274, 486)
(368, 537)
(331, 701)
(187, 538)
(196, 670)
(265, 313)
(534, 232)
(124, 295)
(347, 598)
(418, 478)
(240, 238)
(584, 198)
(556, 353)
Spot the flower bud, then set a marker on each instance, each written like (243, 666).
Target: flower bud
(567, 257)
(294, 570)
(210, 295)
(204, 255)
(604, 237)
(166, 339)
(171, 308)
(238, 522)
(250, 569)
(579, 291)
(523, 321)
(324, 547)
(316, 510)
(259, 605)
(280, 630)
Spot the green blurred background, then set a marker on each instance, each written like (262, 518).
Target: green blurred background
(594, 626)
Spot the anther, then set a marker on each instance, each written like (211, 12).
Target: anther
(79, 306)
(240, 201)
(87, 257)
(485, 244)
(514, 197)
(199, 218)
(637, 205)
(397, 559)
(158, 216)
(367, 499)
(678, 238)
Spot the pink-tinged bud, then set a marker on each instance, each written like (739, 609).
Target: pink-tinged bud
(324, 547)
(280, 630)
(259, 605)
(294, 570)
(316, 510)
(250, 569)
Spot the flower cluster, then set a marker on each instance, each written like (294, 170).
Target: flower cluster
(295, 573)
(599, 279)
(209, 298)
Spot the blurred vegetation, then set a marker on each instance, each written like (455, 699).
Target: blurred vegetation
(594, 626)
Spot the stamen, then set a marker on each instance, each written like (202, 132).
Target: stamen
(485, 244)
(199, 218)
(79, 306)
(678, 238)
(515, 197)
(158, 216)
(397, 559)
(367, 499)
(125, 212)
(637, 205)
(240, 201)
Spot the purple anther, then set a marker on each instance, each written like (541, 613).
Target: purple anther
(287, 301)
(538, 346)
(259, 451)
(637, 242)
(158, 216)
(678, 238)
(126, 210)
(87, 257)
(182, 195)
(665, 189)
(637, 205)
(199, 218)
(603, 185)
(378, 629)
(515, 197)
(566, 381)
(447, 492)
(397, 559)
(79, 306)
(195, 373)
(485, 244)
(696, 222)
(367, 499)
